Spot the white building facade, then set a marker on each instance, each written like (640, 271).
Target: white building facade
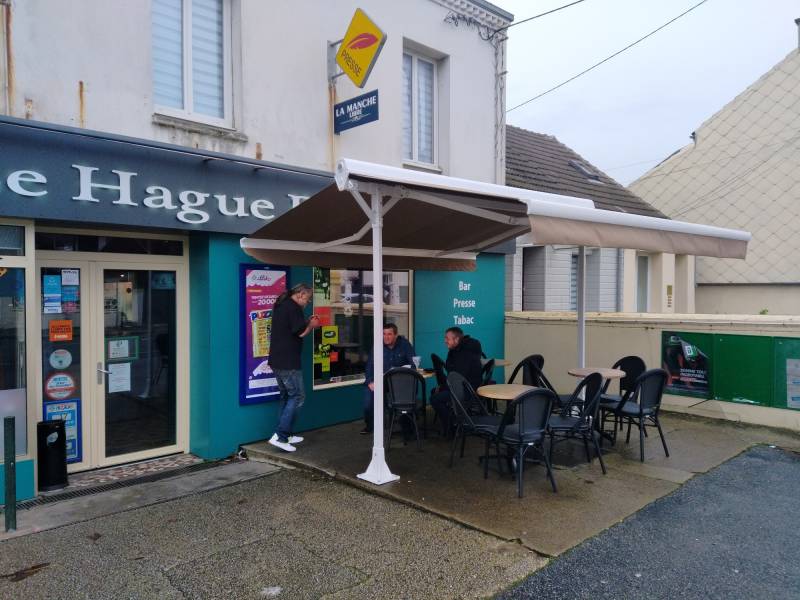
(143, 139)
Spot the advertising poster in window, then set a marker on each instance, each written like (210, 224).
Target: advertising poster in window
(686, 357)
(260, 287)
(69, 412)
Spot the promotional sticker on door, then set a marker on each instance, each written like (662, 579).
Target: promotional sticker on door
(261, 286)
(69, 412)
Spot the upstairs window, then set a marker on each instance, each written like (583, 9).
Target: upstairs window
(191, 59)
(419, 109)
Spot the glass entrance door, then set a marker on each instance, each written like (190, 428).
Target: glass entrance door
(138, 369)
(109, 334)
(65, 333)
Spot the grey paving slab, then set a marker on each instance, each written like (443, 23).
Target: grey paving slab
(64, 512)
(289, 535)
(728, 534)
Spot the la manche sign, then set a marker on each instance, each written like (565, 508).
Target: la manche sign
(192, 207)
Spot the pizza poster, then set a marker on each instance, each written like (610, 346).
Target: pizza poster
(260, 287)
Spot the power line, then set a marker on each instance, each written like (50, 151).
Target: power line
(617, 53)
(549, 12)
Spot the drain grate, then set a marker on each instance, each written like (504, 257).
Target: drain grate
(105, 487)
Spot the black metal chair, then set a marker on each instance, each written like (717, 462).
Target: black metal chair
(567, 425)
(439, 371)
(471, 416)
(642, 406)
(524, 428)
(541, 380)
(530, 365)
(487, 370)
(633, 367)
(404, 390)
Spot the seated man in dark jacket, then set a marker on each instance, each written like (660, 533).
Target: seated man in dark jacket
(397, 352)
(463, 356)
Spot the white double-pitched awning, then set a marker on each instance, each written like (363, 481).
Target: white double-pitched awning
(437, 222)
(377, 216)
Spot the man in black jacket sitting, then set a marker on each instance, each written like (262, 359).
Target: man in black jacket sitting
(463, 356)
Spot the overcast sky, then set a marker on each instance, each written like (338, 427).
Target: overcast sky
(642, 105)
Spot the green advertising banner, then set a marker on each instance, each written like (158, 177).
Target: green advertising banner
(687, 358)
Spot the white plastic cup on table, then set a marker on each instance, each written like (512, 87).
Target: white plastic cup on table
(417, 361)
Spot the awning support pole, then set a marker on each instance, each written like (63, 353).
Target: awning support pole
(378, 471)
(581, 293)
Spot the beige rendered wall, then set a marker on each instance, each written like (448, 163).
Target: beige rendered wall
(610, 336)
(748, 299)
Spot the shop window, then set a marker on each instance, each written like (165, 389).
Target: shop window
(419, 109)
(12, 240)
(343, 300)
(191, 59)
(67, 242)
(13, 385)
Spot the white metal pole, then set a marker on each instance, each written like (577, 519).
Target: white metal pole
(378, 471)
(581, 276)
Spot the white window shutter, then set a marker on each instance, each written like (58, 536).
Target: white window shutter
(408, 111)
(425, 107)
(208, 58)
(168, 53)
(573, 282)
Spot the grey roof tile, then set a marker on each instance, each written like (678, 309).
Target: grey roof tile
(540, 162)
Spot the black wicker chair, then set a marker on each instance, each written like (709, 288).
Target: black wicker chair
(567, 425)
(404, 389)
(642, 407)
(523, 429)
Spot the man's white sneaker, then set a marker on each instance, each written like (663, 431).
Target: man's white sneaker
(295, 439)
(285, 446)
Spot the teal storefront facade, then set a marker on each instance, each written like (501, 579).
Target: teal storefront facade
(148, 209)
(219, 424)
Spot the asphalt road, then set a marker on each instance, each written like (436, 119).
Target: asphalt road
(732, 533)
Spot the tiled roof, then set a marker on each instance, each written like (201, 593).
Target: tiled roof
(743, 171)
(540, 162)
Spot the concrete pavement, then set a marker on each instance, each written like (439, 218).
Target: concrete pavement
(586, 504)
(289, 535)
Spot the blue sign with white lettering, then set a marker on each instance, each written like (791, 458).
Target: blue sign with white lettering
(356, 111)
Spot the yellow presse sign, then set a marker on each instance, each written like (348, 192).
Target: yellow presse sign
(360, 48)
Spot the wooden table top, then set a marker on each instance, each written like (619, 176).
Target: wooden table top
(498, 362)
(503, 391)
(604, 371)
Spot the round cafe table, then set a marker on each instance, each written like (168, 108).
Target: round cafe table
(503, 391)
(605, 372)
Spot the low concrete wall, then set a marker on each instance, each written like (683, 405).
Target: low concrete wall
(748, 299)
(610, 336)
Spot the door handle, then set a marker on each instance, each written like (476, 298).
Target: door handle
(100, 371)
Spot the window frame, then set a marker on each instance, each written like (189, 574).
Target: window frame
(414, 160)
(32, 349)
(360, 379)
(187, 111)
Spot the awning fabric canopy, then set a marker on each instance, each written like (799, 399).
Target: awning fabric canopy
(439, 223)
(417, 220)
(608, 229)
